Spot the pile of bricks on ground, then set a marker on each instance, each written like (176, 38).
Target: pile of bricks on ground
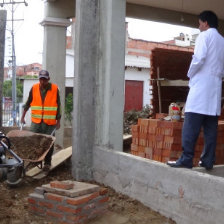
(68, 201)
(160, 140)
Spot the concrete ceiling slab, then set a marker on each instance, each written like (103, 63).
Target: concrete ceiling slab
(187, 6)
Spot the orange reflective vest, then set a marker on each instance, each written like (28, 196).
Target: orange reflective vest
(44, 110)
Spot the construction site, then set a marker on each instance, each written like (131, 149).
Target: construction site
(99, 173)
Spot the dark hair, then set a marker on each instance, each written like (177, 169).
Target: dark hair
(209, 17)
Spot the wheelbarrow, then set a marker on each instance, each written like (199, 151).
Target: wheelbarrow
(31, 152)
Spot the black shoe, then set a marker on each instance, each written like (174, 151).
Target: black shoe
(201, 164)
(176, 164)
(46, 167)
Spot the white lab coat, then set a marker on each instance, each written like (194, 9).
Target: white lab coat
(205, 73)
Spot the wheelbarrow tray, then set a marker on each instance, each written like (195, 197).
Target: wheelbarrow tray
(23, 133)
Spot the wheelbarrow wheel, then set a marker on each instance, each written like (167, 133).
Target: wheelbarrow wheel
(14, 176)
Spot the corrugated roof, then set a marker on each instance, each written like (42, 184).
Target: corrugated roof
(137, 61)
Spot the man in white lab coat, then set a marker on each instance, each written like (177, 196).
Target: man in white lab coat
(203, 105)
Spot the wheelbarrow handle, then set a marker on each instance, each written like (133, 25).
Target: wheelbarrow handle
(52, 133)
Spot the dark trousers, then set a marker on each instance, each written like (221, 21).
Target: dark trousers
(193, 123)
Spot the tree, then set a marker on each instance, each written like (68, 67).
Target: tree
(7, 89)
(69, 107)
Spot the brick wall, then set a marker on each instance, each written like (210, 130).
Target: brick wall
(68, 201)
(161, 141)
(173, 63)
(144, 48)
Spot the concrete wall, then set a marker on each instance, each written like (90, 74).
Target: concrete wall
(186, 196)
(27, 85)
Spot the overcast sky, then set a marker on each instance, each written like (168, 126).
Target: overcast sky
(29, 33)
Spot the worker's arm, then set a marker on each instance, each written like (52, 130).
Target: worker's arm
(22, 121)
(58, 116)
(26, 107)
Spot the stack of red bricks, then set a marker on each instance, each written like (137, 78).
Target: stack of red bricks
(68, 201)
(160, 140)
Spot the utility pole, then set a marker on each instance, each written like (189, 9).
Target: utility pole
(13, 3)
(3, 15)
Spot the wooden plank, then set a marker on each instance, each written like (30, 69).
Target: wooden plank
(57, 159)
(173, 82)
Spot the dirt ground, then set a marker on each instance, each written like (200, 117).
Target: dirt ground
(122, 210)
(14, 205)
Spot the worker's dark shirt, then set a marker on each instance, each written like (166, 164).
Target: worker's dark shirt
(43, 93)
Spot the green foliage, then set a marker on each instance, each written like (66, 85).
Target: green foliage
(69, 107)
(7, 89)
(131, 117)
(30, 77)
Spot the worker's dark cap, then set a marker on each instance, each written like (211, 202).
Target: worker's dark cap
(44, 74)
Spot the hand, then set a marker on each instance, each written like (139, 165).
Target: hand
(22, 121)
(58, 125)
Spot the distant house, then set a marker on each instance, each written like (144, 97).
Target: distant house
(23, 70)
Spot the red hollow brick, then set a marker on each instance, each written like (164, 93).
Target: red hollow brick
(54, 214)
(103, 191)
(135, 153)
(82, 199)
(135, 128)
(157, 157)
(68, 209)
(89, 206)
(144, 122)
(134, 147)
(53, 197)
(66, 185)
(46, 204)
(76, 218)
(36, 209)
(31, 201)
(141, 154)
(103, 200)
(153, 122)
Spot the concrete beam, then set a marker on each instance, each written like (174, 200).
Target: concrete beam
(161, 15)
(60, 8)
(165, 16)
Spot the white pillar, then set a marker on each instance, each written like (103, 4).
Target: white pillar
(54, 53)
(99, 81)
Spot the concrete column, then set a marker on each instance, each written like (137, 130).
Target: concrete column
(86, 65)
(3, 14)
(110, 97)
(54, 53)
(99, 81)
